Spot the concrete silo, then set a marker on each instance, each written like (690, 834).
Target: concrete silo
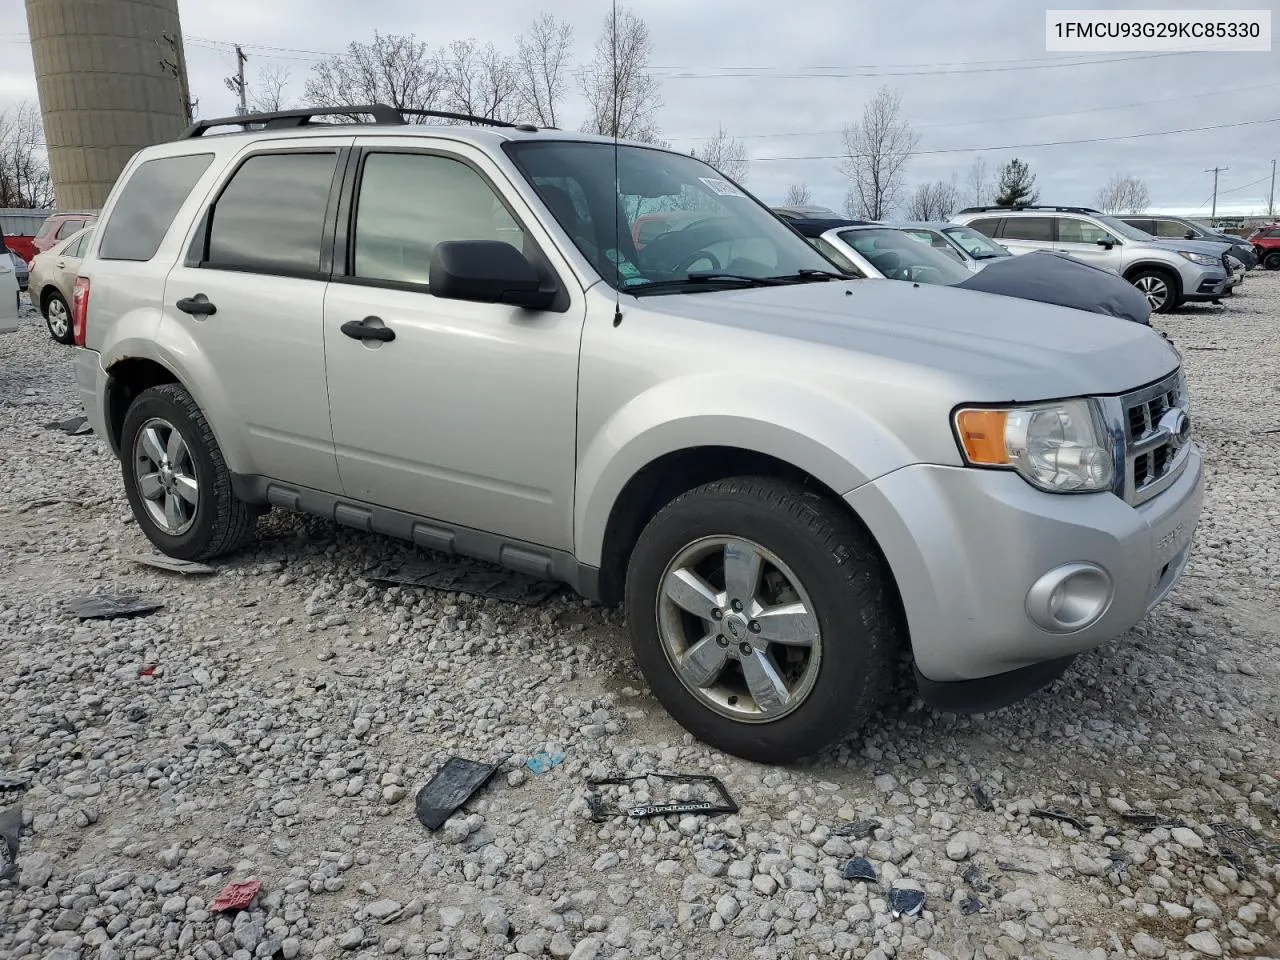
(112, 79)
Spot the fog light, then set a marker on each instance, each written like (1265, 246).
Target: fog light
(1070, 597)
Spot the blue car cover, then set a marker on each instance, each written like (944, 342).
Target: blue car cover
(1052, 277)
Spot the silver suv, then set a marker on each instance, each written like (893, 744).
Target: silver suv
(1169, 273)
(446, 334)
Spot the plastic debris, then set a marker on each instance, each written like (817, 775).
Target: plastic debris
(973, 877)
(76, 426)
(723, 804)
(451, 787)
(8, 783)
(461, 576)
(981, 797)
(860, 868)
(1013, 868)
(904, 902)
(970, 906)
(857, 830)
(1149, 821)
(100, 606)
(10, 829)
(236, 896)
(1061, 816)
(148, 670)
(1244, 837)
(135, 714)
(542, 762)
(171, 564)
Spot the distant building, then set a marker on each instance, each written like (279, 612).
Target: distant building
(112, 79)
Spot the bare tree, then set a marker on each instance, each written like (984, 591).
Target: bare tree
(876, 154)
(541, 64)
(622, 95)
(24, 169)
(479, 80)
(979, 183)
(798, 195)
(1123, 195)
(396, 69)
(853, 204)
(268, 94)
(934, 201)
(727, 155)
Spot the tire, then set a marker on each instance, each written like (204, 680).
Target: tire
(208, 521)
(1272, 260)
(57, 317)
(843, 587)
(1159, 287)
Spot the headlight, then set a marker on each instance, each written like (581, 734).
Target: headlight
(1201, 258)
(1060, 447)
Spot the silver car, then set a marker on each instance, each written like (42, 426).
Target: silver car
(965, 244)
(1169, 273)
(446, 334)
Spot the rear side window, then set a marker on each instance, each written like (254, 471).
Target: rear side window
(68, 228)
(270, 217)
(1029, 228)
(147, 205)
(1272, 234)
(986, 225)
(1146, 226)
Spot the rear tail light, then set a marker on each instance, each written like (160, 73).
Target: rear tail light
(80, 310)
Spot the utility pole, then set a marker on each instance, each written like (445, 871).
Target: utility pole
(1215, 171)
(236, 84)
(1271, 200)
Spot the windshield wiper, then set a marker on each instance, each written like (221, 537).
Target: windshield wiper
(808, 273)
(700, 278)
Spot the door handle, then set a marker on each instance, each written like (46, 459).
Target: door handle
(360, 330)
(62, 264)
(197, 306)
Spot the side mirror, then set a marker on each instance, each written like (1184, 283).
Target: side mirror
(486, 271)
(1189, 235)
(1106, 243)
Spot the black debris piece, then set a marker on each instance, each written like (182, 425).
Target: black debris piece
(101, 606)
(722, 804)
(860, 868)
(1013, 868)
(171, 564)
(596, 806)
(981, 797)
(462, 576)
(76, 426)
(1119, 858)
(10, 829)
(1151, 821)
(1062, 817)
(450, 788)
(973, 877)
(858, 830)
(970, 906)
(1233, 857)
(135, 714)
(905, 903)
(1244, 837)
(8, 783)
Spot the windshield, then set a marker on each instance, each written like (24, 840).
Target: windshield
(710, 226)
(1122, 229)
(975, 244)
(900, 256)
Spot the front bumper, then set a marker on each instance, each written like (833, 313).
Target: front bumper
(966, 546)
(91, 385)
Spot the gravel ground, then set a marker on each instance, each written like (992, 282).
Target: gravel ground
(275, 720)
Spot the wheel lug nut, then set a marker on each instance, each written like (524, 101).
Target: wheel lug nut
(717, 614)
(754, 626)
(737, 606)
(744, 649)
(722, 641)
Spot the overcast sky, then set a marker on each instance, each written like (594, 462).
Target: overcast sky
(975, 103)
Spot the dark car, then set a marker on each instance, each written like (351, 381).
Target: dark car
(1180, 228)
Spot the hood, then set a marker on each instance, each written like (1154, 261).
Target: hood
(994, 347)
(1212, 248)
(1051, 277)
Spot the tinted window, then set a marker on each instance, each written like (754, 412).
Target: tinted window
(986, 226)
(68, 228)
(270, 217)
(147, 205)
(1172, 228)
(1272, 234)
(1028, 228)
(1071, 230)
(1146, 226)
(410, 202)
(76, 247)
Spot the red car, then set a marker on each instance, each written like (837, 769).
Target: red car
(20, 226)
(61, 225)
(1266, 243)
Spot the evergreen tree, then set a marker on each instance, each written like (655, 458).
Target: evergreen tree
(1017, 185)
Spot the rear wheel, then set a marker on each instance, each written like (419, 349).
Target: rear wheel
(1160, 289)
(1272, 260)
(763, 617)
(57, 317)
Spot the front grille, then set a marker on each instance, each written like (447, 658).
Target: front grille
(1154, 455)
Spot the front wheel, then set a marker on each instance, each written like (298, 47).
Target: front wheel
(176, 480)
(763, 617)
(1158, 287)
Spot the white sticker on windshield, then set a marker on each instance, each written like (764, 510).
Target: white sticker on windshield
(722, 187)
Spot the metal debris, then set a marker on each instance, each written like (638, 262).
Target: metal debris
(857, 830)
(981, 797)
(450, 788)
(905, 902)
(1151, 821)
(860, 868)
(1244, 837)
(100, 606)
(171, 564)
(463, 576)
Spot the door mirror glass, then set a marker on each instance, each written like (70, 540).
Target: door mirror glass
(486, 271)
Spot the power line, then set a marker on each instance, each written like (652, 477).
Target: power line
(1026, 146)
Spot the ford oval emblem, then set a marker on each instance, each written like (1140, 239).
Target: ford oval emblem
(1177, 424)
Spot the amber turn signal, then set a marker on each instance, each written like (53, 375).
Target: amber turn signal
(982, 435)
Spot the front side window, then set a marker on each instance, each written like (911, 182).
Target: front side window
(270, 216)
(835, 256)
(147, 205)
(901, 257)
(986, 225)
(1071, 230)
(1173, 229)
(719, 228)
(68, 228)
(1029, 228)
(409, 202)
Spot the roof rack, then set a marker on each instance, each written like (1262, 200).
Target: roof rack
(380, 112)
(1031, 206)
